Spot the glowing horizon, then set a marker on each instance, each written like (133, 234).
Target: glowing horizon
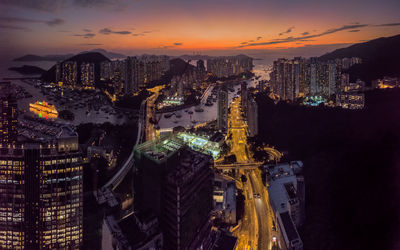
(177, 26)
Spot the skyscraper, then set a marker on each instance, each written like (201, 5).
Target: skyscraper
(41, 194)
(87, 75)
(222, 119)
(313, 76)
(69, 74)
(8, 115)
(176, 183)
(244, 95)
(252, 117)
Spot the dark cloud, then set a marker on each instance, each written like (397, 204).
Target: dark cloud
(53, 22)
(388, 24)
(13, 27)
(91, 44)
(290, 29)
(87, 30)
(243, 43)
(170, 46)
(56, 21)
(147, 31)
(353, 31)
(259, 37)
(55, 5)
(137, 34)
(44, 5)
(124, 32)
(305, 33)
(306, 37)
(107, 31)
(87, 35)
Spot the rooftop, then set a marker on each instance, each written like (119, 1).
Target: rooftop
(283, 184)
(290, 229)
(190, 163)
(159, 150)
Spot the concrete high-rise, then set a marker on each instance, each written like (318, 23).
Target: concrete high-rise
(222, 119)
(175, 183)
(252, 117)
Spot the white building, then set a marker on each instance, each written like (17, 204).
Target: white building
(286, 194)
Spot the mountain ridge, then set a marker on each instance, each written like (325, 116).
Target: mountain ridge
(380, 58)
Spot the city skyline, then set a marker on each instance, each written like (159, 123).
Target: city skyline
(179, 27)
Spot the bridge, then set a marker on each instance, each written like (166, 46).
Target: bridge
(239, 165)
(124, 170)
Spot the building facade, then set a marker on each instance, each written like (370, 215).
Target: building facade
(41, 195)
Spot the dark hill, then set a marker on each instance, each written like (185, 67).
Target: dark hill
(28, 70)
(380, 58)
(179, 67)
(351, 168)
(91, 57)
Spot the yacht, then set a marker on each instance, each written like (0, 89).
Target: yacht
(198, 109)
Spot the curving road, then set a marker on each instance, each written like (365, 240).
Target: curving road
(126, 167)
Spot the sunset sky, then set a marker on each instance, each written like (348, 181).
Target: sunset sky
(182, 26)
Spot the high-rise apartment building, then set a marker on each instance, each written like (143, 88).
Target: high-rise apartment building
(230, 65)
(252, 117)
(69, 73)
(244, 97)
(87, 75)
(222, 119)
(8, 115)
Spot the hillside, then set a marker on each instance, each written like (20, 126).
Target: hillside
(108, 54)
(380, 58)
(351, 168)
(91, 57)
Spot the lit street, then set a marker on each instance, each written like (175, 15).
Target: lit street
(150, 112)
(254, 231)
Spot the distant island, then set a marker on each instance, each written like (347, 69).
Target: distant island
(58, 58)
(36, 58)
(28, 70)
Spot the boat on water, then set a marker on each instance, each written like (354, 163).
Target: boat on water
(190, 112)
(178, 115)
(208, 104)
(194, 121)
(198, 109)
(175, 121)
(168, 115)
(43, 109)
